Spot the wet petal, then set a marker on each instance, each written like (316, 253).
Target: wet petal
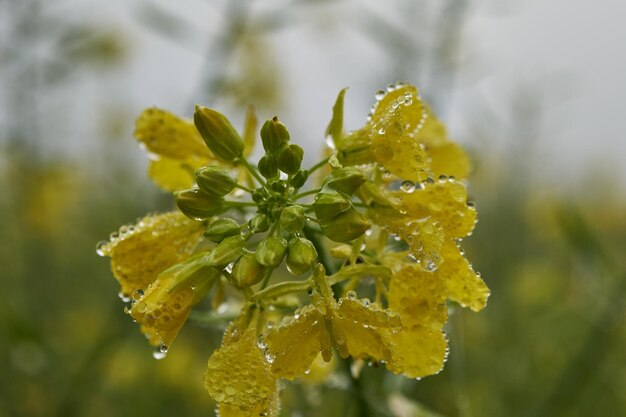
(464, 285)
(174, 174)
(168, 238)
(237, 375)
(293, 344)
(417, 352)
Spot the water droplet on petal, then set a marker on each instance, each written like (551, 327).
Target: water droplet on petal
(380, 94)
(100, 248)
(351, 295)
(407, 186)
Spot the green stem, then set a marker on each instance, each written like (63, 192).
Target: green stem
(319, 165)
(251, 170)
(282, 288)
(304, 194)
(243, 187)
(240, 204)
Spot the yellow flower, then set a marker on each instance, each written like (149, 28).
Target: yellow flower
(175, 146)
(164, 307)
(350, 325)
(139, 253)
(239, 378)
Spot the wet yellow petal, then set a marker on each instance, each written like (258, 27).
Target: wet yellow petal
(444, 201)
(165, 134)
(432, 132)
(417, 352)
(394, 120)
(174, 174)
(293, 344)
(268, 408)
(320, 370)
(168, 238)
(366, 313)
(162, 313)
(419, 297)
(449, 159)
(464, 285)
(237, 375)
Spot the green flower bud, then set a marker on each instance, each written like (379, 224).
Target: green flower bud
(247, 271)
(301, 256)
(271, 251)
(279, 186)
(267, 166)
(229, 249)
(259, 224)
(289, 159)
(220, 229)
(299, 178)
(198, 205)
(328, 205)
(214, 180)
(346, 226)
(347, 180)
(292, 219)
(273, 135)
(193, 272)
(218, 134)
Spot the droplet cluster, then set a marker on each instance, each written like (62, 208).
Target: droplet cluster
(168, 239)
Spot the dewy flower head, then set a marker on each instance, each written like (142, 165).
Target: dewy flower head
(393, 196)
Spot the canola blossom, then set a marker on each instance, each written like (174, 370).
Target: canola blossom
(296, 250)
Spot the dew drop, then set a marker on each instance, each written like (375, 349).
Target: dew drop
(380, 94)
(124, 297)
(330, 142)
(351, 295)
(407, 186)
(160, 352)
(137, 294)
(100, 248)
(269, 357)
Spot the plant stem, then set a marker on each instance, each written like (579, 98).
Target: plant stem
(319, 165)
(251, 169)
(304, 194)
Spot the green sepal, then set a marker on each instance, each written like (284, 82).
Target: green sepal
(273, 135)
(267, 166)
(289, 159)
(271, 251)
(299, 178)
(220, 229)
(346, 226)
(196, 204)
(247, 271)
(301, 255)
(329, 204)
(214, 180)
(335, 127)
(218, 133)
(347, 180)
(229, 249)
(259, 224)
(292, 218)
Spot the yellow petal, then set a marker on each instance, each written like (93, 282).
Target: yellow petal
(174, 174)
(237, 375)
(165, 134)
(417, 352)
(366, 313)
(293, 344)
(444, 201)
(432, 132)
(168, 238)
(394, 120)
(358, 340)
(449, 159)
(419, 297)
(162, 313)
(464, 285)
(269, 408)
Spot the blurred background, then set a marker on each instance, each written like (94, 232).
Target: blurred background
(534, 90)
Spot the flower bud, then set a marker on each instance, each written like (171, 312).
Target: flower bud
(292, 219)
(229, 249)
(218, 133)
(220, 229)
(214, 180)
(301, 256)
(273, 135)
(289, 159)
(278, 186)
(347, 180)
(267, 166)
(299, 178)
(259, 224)
(198, 205)
(271, 251)
(345, 226)
(328, 205)
(247, 271)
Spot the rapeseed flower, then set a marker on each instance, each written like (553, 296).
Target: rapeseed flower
(395, 200)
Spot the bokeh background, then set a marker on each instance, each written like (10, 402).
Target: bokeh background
(534, 90)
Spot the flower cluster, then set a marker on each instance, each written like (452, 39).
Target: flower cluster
(384, 219)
